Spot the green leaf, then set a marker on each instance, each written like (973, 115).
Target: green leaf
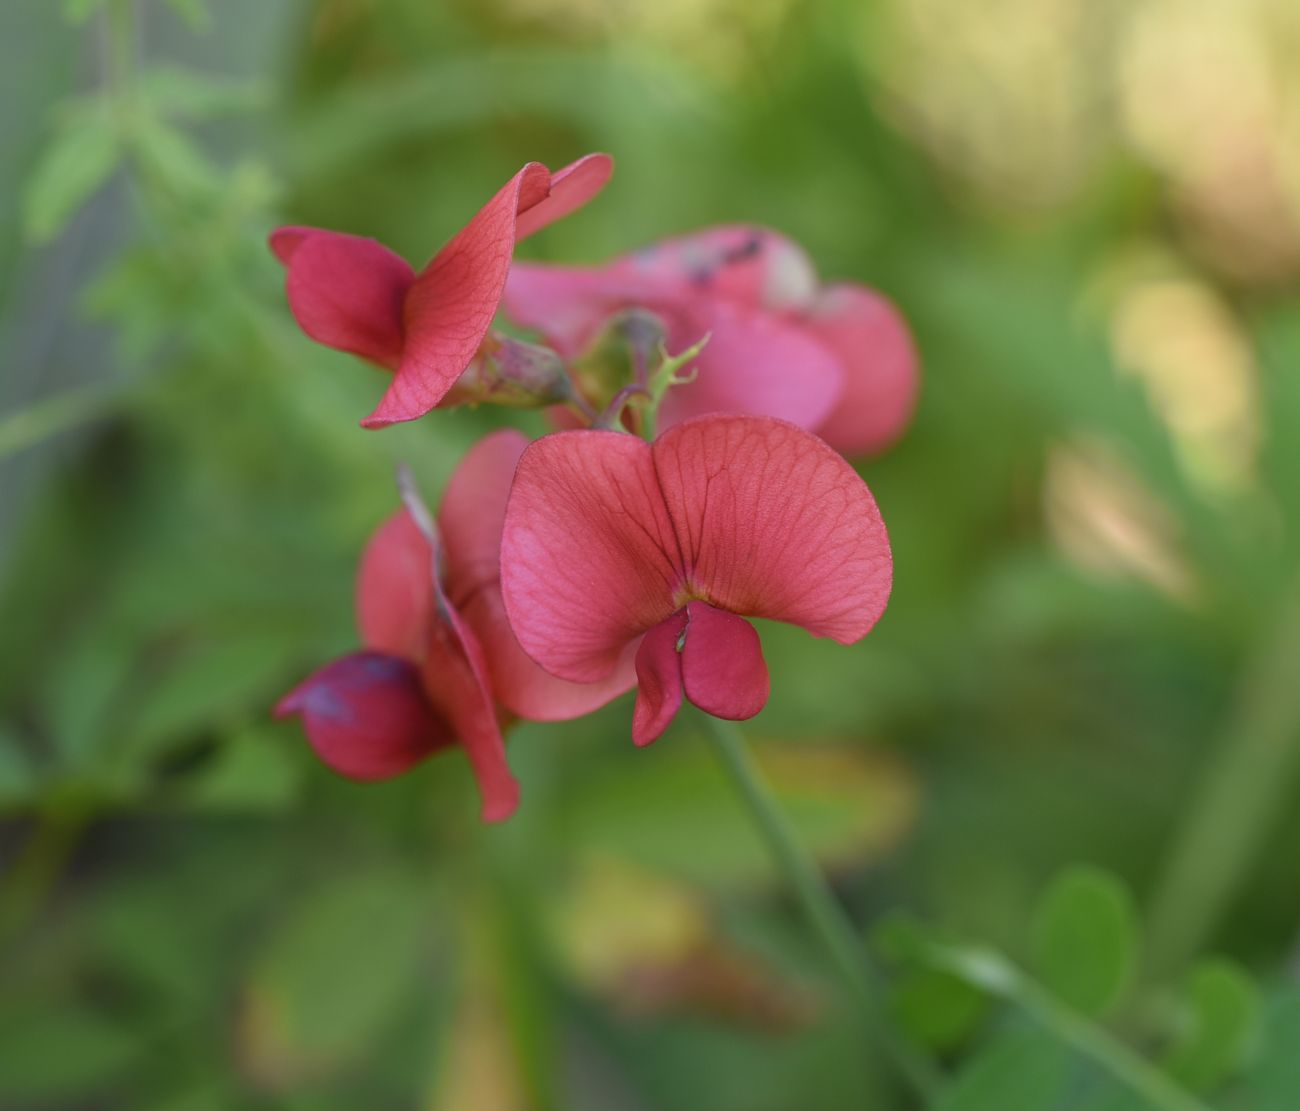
(79, 159)
(194, 12)
(187, 94)
(254, 772)
(1022, 1070)
(17, 779)
(937, 1008)
(77, 12)
(1275, 1078)
(1222, 1015)
(60, 1055)
(1085, 938)
(335, 973)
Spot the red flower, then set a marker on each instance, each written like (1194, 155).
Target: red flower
(440, 659)
(837, 360)
(354, 294)
(613, 545)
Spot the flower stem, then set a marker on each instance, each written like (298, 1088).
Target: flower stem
(1243, 792)
(824, 913)
(25, 428)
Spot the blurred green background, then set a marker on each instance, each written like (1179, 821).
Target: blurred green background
(1072, 740)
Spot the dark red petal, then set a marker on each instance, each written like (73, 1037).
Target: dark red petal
(366, 716)
(659, 679)
(881, 374)
(588, 552)
(770, 522)
(723, 671)
(571, 187)
(345, 291)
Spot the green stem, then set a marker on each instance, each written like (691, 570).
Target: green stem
(824, 913)
(993, 973)
(1243, 793)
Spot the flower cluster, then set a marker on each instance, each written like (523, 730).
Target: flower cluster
(558, 574)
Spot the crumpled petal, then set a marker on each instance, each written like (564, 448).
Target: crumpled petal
(471, 519)
(754, 362)
(770, 522)
(588, 551)
(870, 338)
(366, 716)
(723, 671)
(659, 680)
(345, 291)
(452, 301)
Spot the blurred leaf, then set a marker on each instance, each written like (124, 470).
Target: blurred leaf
(80, 698)
(79, 159)
(202, 683)
(170, 156)
(194, 12)
(1274, 1077)
(678, 814)
(17, 779)
(937, 1008)
(334, 974)
(78, 11)
(1021, 1070)
(1085, 938)
(254, 771)
(1223, 1011)
(61, 1055)
(188, 94)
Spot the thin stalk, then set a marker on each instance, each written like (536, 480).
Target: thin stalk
(38, 865)
(1245, 788)
(833, 927)
(992, 972)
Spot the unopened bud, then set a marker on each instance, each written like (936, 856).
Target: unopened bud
(511, 372)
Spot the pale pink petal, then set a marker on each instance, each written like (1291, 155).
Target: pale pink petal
(870, 338)
(571, 187)
(754, 362)
(452, 301)
(566, 304)
(395, 592)
(345, 291)
(471, 518)
(659, 679)
(722, 665)
(751, 265)
(366, 716)
(770, 522)
(588, 554)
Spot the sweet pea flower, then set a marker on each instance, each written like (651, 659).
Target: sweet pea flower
(439, 662)
(613, 545)
(354, 294)
(836, 359)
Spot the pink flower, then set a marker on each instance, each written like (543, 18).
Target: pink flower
(440, 663)
(835, 359)
(613, 545)
(354, 294)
